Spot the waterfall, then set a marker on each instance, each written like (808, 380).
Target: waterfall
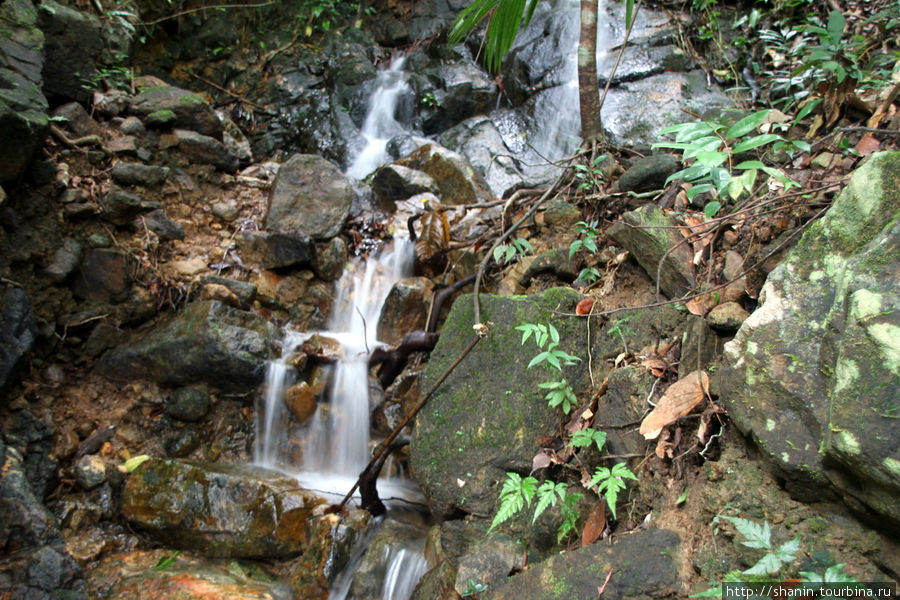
(381, 123)
(338, 443)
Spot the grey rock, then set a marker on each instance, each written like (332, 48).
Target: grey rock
(246, 292)
(188, 404)
(394, 182)
(89, 471)
(76, 119)
(121, 207)
(18, 330)
(814, 371)
(309, 194)
(727, 318)
(159, 223)
(330, 259)
(204, 149)
(182, 443)
(650, 236)
(555, 262)
(64, 261)
(132, 126)
(23, 107)
(457, 180)
(277, 250)
(112, 103)
(104, 275)
(208, 342)
(648, 173)
(170, 107)
(125, 173)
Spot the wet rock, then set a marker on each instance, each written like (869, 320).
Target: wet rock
(103, 337)
(76, 119)
(159, 223)
(405, 309)
(484, 146)
(23, 108)
(394, 182)
(36, 563)
(309, 194)
(182, 443)
(815, 368)
(125, 145)
(300, 399)
(561, 216)
(121, 207)
(330, 259)
(104, 275)
(489, 562)
(648, 173)
(188, 404)
(438, 582)
(33, 439)
(89, 471)
(650, 236)
(227, 211)
(112, 103)
(644, 565)
(554, 262)
(220, 510)
(152, 176)
(166, 106)
(458, 182)
(727, 318)
(397, 545)
(208, 342)
(465, 90)
(77, 49)
(206, 150)
(277, 250)
(132, 126)
(132, 576)
(245, 292)
(335, 537)
(18, 331)
(629, 123)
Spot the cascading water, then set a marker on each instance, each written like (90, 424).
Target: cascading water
(381, 122)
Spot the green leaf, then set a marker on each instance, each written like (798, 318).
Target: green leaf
(756, 142)
(547, 495)
(166, 561)
(735, 188)
(538, 359)
(135, 461)
(836, 24)
(711, 158)
(750, 164)
(807, 108)
(756, 535)
(629, 13)
(711, 208)
(683, 497)
(516, 494)
(699, 189)
(747, 124)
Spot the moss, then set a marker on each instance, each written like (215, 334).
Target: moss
(161, 116)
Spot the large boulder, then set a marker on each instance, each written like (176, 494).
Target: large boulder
(457, 180)
(17, 334)
(814, 373)
(166, 106)
(487, 416)
(209, 342)
(643, 565)
(310, 194)
(23, 107)
(81, 50)
(220, 510)
(36, 563)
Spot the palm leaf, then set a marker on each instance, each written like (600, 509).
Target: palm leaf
(507, 17)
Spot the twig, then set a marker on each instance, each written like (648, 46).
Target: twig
(202, 8)
(387, 442)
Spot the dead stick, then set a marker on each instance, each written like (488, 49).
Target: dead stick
(387, 443)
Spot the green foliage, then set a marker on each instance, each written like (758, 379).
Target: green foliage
(773, 563)
(430, 100)
(712, 147)
(506, 17)
(610, 482)
(586, 437)
(559, 392)
(518, 492)
(621, 329)
(166, 561)
(473, 588)
(588, 241)
(590, 178)
(321, 15)
(504, 253)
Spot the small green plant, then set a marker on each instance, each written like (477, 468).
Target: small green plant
(518, 493)
(586, 437)
(773, 563)
(621, 329)
(713, 147)
(504, 253)
(430, 100)
(166, 561)
(547, 339)
(473, 588)
(590, 177)
(588, 240)
(610, 482)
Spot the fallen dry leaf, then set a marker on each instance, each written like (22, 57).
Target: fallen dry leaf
(541, 460)
(678, 400)
(867, 145)
(595, 524)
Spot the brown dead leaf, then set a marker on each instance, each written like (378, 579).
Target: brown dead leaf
(541, 460)
(867, 145)
(663, 446)
(679, 399)
(595, 524)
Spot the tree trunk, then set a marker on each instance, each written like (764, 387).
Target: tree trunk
(588, 86)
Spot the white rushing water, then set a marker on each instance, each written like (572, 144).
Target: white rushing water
(381, 122)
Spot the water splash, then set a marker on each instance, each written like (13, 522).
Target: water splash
(381, 123)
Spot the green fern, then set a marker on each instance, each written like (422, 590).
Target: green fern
(516, 494)
(610, 482)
